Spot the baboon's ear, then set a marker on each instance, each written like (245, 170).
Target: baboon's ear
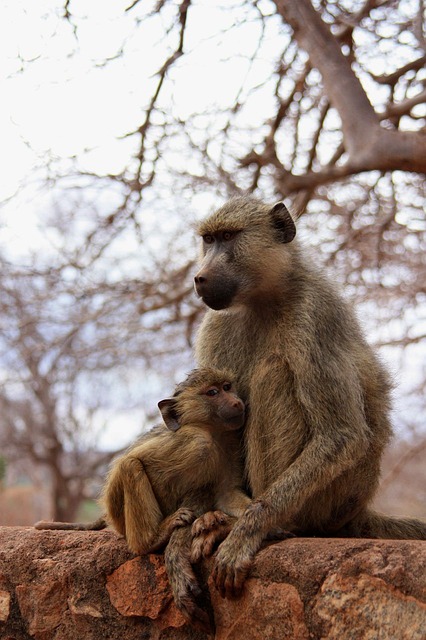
(283, 223)
(169, 413)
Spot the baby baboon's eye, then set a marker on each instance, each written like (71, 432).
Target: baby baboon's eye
(227, 386)
(228, 235)
(212, 392)
(208, 239)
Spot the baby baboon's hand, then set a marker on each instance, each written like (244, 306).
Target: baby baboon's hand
(209, 521)
(208, 530)
(182, 517)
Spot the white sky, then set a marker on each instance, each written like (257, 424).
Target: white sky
(58, 97)
(65, 103)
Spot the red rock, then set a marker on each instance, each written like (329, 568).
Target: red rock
(370, 608)
(57, 585)
(4, 605)
(42, 606)
(271, 611)
(138, 589)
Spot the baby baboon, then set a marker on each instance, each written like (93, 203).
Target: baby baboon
(178, 470)
(181, 469)
(319, 397)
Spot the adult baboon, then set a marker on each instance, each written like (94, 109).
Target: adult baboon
(318, 396)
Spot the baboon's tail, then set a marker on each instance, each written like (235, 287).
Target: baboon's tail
(96, 525)
(369, 524)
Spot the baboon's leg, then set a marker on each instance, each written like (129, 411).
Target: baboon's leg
(185, 587)
(131, 504)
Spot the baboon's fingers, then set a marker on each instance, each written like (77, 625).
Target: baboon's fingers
(196, 550)
(208, 521)
(213, 539)
(229, 579)
(204, 545)
(230, 569)
(183, 516)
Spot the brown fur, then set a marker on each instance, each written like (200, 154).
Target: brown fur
(181, 469)
(318, 396)
(189, 464)
(194, 468)
(96, 525)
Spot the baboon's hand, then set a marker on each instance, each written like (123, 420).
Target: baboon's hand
(209, 521)
(190, 610)
(182, 517)
(208, 530)
(231, 566)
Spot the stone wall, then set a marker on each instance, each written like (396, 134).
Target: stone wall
(87, 586)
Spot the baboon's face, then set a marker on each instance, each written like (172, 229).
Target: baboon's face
(239, 253)
(223, 404)
(218, 281)
(207, 397)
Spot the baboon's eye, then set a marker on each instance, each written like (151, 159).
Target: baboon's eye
(228, 235)
(212, 392)
(227, 386)
(208, 239)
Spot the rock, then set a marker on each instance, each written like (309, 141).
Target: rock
(57, 585)
(4, 605)
(129, 584)
(273, 611)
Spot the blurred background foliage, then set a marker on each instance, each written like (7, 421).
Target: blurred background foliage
(128, 121)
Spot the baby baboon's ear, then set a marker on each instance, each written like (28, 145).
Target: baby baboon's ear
(283, 223)
(169, 413)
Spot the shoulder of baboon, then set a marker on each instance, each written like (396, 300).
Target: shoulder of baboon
(146, 441)
(160, 439)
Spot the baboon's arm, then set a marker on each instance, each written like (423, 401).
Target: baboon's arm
(185, 587)
(335, 441)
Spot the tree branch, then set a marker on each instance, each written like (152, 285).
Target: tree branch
(340, 82)
(369, 146)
